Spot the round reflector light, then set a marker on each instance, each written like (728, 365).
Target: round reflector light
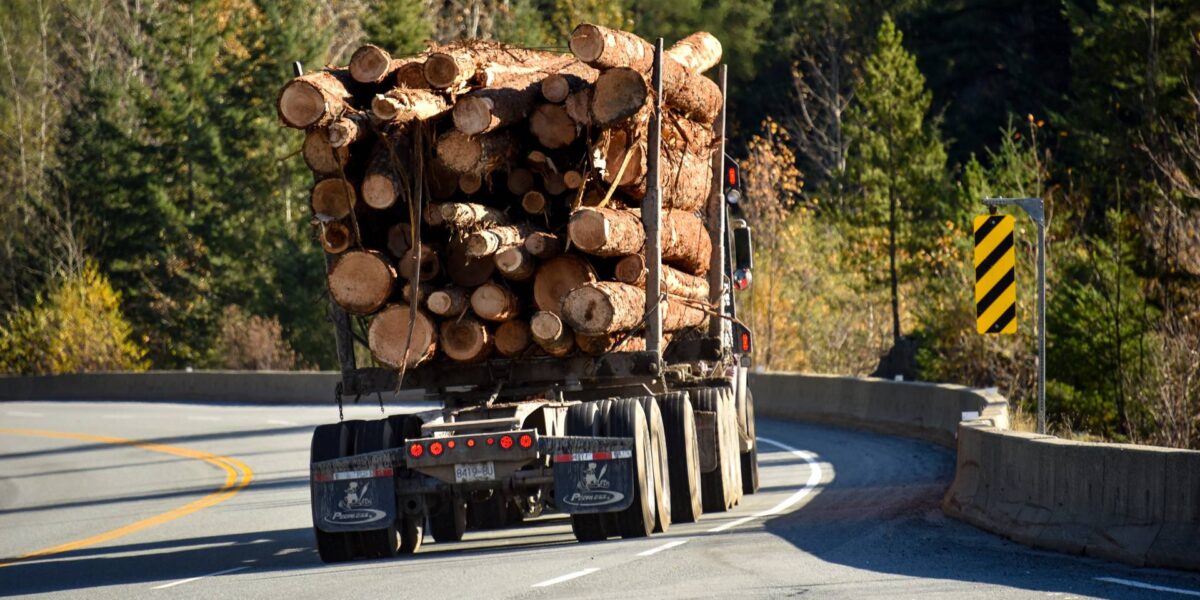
(526, 441)
(436, 449)
(416, 450)
(506, 441)
(471, 443)
(450, 444)
(491, 441)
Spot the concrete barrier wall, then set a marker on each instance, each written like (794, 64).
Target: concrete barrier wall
(922, 410)
(1134, 504)
(258, 387)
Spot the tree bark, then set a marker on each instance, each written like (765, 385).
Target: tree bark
(388, 337)
(558, 276)
(347, 129)
(515, 263)
(494, 302)
(381, 186)
(465, 339)
(314, 99)
(335, 237)
(686, 167)
(321, 157)
(543, 245)
(606, 231)
(467, 216)
(492, 240)
(632, 270)
(443, 181)
(513, 338)
(610, 307)
(685, 243)
(698, 52)
(467, 271)
(332, 198)
(477, 154)
(449, 301)
(552, 126)
(506, 101)
(551, 334)
(361, 281)
(403, 105)
(595, 345)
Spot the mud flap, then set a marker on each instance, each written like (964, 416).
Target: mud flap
(354, 494)
(593, 482)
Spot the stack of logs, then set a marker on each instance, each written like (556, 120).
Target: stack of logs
(481, 200)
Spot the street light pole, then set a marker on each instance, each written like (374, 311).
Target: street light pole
(1035, 208)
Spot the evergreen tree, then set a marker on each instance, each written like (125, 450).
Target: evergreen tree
(398, 26)
(897, 159)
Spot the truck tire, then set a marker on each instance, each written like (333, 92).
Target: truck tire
(658, 451)
(750, 459)
(733, 483)
(713, 484)
(329, 443)
(626, 419)
(373, 436)
(581, 420)
(449, 523)
(411, 528)
(683, 456)
(490, 513)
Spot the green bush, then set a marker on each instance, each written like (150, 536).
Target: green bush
(77, 327)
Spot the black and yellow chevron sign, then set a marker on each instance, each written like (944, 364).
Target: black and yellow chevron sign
(995, 275)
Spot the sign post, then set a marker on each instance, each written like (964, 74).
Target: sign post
(1035, 208)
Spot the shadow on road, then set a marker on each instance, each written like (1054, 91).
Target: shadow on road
(881, 513)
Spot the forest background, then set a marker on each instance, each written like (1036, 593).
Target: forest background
(156, 212)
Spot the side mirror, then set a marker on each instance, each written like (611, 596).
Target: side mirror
(743, 254)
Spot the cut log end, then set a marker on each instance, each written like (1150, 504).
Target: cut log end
(448, 302)
(533, 203)
(587, 42)
(552, 126)
(361, 281)
(494, 302)
(555, 88)
(443, 70)
(388, 337)
(619, 94)
(321, 156)
(378, 191)
(473, 115)
(573, 179)
(520, 180)
(465, 340)
(543, 245)
(470, 183)
(515, 263)
(551, 334)
(556, 277)
(301, 104)
(631, 270)
(332, 199)
(370, 64)
(513, 338)
(335, 237)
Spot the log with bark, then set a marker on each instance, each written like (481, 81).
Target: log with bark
(508, 99)
(389, 337)
(468, 216)
(372, 64)
(403, 105)
(488, 242)
(465, 339)
(494, 302)
(314, 99)
(361, 281)
(475, 154)
(552, 334)
(465, 270)
(611, 307)
(335, 237)
(632, 270)
(618, 232)
(321, 156)
(515, 263)
(350, 127)
(450, 301)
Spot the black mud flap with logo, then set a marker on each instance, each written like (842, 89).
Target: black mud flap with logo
(354, 494)
(593, 482)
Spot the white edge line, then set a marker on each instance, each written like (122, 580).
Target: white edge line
(278, 422)
(814, 478)
(191, 579)
(21, 413)
(1147, 586)
(567, 577)
(666, 546)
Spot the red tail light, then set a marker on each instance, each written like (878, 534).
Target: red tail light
(731, 176)
(506, 441)
(745, 342)
(470, 443)
(450, 444)
(436, 449)
(526, 441)
(491, 441)
(416, 450)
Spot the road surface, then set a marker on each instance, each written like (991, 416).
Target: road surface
(212, 502)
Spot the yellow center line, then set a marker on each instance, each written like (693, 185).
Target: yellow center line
(237, 476)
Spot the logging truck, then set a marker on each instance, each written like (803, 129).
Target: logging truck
(648, 423)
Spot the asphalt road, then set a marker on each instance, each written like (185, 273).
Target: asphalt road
(213, 503)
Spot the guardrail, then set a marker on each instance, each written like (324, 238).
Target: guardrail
(927, 411)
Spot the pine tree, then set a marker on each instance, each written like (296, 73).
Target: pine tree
(398, 26)
(897, 159)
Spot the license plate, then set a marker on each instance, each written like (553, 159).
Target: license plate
(467, 472)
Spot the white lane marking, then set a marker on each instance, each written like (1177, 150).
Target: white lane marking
(814, 477)
(567, 577)
(21, 413)
(122, 417)
(278, 422)
(202, 418)
(191, 579)
(666, 546)
(1147, 586)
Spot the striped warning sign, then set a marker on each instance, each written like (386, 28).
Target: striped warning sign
(995, 275)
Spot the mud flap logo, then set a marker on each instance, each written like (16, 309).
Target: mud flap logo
(355, 507)
(593, 489)
(593, 486)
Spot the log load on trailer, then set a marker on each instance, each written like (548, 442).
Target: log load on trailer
(548, 245)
